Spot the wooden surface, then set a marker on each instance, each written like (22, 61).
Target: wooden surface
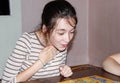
(78, 71)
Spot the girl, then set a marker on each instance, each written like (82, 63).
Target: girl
(42, 53)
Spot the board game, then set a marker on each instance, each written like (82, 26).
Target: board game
(91, 79)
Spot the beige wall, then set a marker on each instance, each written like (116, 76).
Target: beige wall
(97, 30)
(79, 51)
(104, 29)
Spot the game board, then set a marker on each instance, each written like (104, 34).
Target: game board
(91, 79)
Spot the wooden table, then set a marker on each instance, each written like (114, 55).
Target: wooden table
(78, 71)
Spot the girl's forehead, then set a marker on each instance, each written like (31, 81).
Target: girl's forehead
(63, 23)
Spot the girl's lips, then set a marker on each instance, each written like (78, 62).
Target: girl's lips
(64, 45)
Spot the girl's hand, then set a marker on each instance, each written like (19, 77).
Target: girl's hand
(48, 53)
(65, 71)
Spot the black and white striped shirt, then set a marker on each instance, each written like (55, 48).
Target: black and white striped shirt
(25, 53)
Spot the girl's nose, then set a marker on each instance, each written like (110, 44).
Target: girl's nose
(67, 38)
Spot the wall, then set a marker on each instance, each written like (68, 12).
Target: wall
(31, 14)
(9, 31)
(79, 51)
(104, 29)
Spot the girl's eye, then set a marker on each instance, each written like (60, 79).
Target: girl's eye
(61, 33)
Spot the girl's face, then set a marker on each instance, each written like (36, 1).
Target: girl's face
(62, 34)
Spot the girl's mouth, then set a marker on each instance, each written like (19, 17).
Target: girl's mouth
(64, 45)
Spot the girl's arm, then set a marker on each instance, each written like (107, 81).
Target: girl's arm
(111, 65)
(15, 60)
(11, 73)
(45, 56)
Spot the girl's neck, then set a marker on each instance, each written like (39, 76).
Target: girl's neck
(42, 37)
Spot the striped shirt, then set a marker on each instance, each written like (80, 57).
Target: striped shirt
(25, 53)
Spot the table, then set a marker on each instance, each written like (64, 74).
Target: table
(78, 71)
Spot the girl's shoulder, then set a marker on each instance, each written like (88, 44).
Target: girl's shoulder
(27, 38)
(116, 57)
(31, 36)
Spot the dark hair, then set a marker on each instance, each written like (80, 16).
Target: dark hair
(57, 9)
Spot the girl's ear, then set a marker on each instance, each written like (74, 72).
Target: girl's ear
(44, 29)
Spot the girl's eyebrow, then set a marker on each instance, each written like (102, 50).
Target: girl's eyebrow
(60, 29)
(64, 29)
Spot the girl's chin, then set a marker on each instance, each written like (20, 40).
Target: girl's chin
(61, 49)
